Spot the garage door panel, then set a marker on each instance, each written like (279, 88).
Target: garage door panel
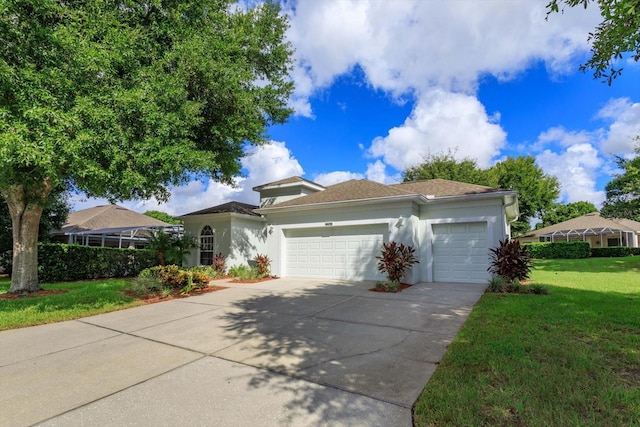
(460, 252)
(343, 252)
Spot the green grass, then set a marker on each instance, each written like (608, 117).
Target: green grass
(81, 299)
(571, 358)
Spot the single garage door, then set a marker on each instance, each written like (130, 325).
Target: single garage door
(335, 252)
(460, 252)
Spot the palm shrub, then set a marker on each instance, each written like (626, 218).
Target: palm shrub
(395, 260)
(510, 260)
(262, 264)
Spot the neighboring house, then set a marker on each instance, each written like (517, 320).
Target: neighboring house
(111, 226)
(598, 231)
(335, 232)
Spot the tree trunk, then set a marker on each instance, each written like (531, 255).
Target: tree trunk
(25, 210)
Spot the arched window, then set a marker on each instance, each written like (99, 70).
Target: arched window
(207, 245)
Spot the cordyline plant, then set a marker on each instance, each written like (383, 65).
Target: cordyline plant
(510, 260)
(262, 265)
(219, 263)
(396, 259)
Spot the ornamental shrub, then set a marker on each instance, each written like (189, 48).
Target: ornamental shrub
(64, 263)
(511, 261)
(263, 263)
(395, 260)
(617, 251)
(555, 250)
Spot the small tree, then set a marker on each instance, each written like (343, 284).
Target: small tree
(171, 249)
(396, 259)
(510, 260)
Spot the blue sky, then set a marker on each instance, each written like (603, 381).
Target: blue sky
(380, 85)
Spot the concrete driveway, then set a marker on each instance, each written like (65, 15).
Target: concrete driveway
(297, 352)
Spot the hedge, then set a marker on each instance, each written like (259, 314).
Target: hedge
(616, 251)
(552, 250)
(62, 263)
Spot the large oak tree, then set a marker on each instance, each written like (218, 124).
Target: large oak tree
(121, 99)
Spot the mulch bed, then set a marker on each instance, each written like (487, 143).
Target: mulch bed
(157, 297)
(400, 289)
(264, 279)
(33, 294)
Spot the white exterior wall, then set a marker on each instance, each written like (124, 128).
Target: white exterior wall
(248, 238)
(388, 215)
(238, 237)
(489, 211)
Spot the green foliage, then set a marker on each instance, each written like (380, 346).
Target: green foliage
(446, 166)
(554, 250)
(511, 261)
(617, 251)
(618, 33)
(560, 212)
(176, 278)
(122, 100)
(623, 192)
(497, 284)
(207, 270)
(395, 260)
(388, 286)
(62, 263)
(263, 264)
(163, 216)
(243, 272)
(171, 248)
(536, 190)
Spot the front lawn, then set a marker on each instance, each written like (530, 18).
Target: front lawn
(568, 358)
(81, 299)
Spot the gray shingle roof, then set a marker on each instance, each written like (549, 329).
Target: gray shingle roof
(107, 217)
(345, 191)
(231, 207)
(365, 189)
(444, 187)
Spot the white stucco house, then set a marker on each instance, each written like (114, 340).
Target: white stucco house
(335, 232)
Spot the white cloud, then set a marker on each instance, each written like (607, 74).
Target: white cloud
(441, 122)
(559, 135)
(415, 45)
(265, 163)
(576, 168)
(624, 127)
(335, 177)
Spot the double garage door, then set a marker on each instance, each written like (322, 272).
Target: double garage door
(335, 252)
(460, 252)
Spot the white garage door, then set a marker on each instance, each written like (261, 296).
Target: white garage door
(335, 252)
(460, 252)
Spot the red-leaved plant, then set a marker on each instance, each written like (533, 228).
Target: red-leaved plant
(396, 259)
(510, 260)
(219, 264)
(262, 265)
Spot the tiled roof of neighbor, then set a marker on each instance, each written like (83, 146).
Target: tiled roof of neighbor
(231, 207)
(589, 221)
(444, 187)
(290, 180)
(348, 190)
(107, 217)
